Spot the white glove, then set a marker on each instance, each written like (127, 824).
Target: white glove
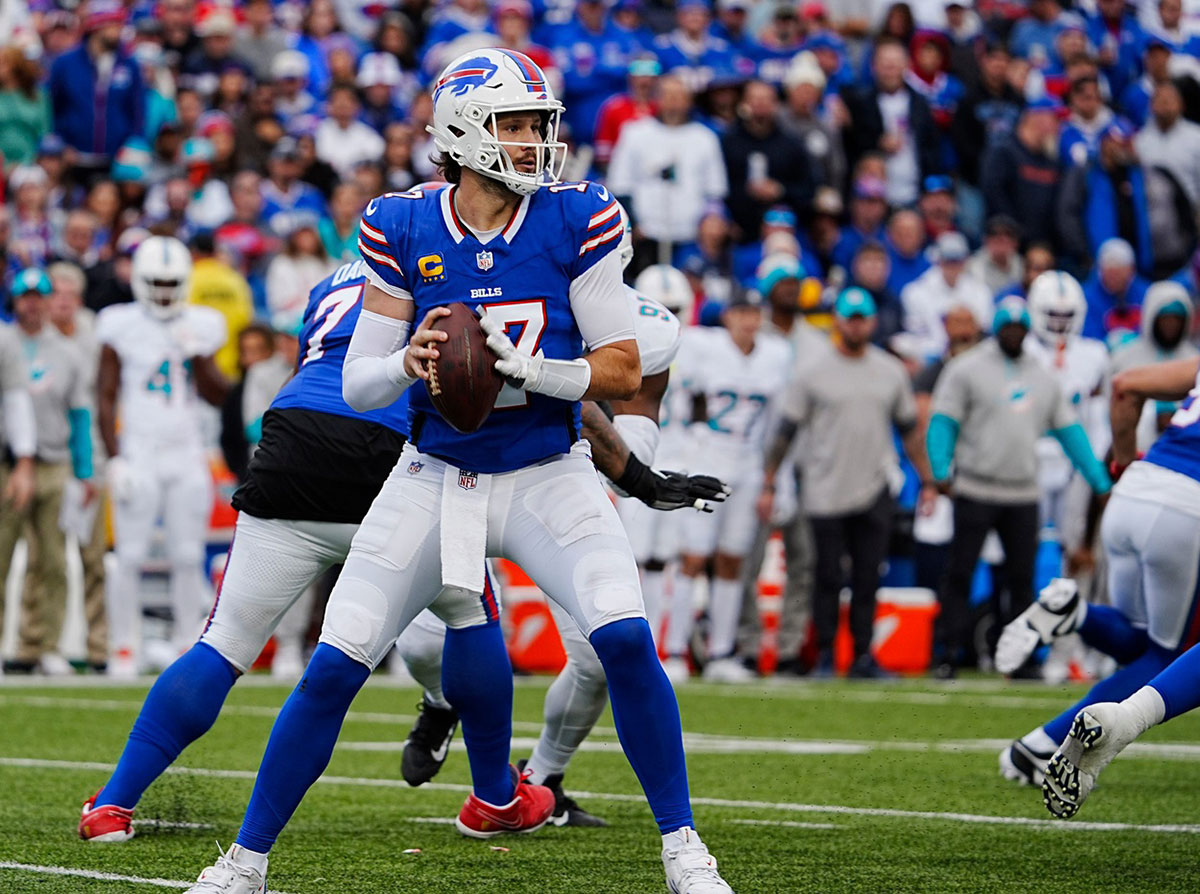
(564, 379)
(121, 478)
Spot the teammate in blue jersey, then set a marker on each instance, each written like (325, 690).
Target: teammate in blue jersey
(317, 468)
(1151, 535)
(1167, 480)
(538, 256)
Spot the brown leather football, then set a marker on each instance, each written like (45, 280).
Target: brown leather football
(463, 383)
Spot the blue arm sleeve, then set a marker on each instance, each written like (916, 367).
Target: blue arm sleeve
(1075, 444)
(80, 442)
(939, 444)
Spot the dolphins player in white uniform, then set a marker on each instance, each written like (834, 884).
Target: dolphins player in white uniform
(156, 366)
(576, 699)
(1057, 309)
(735, 373)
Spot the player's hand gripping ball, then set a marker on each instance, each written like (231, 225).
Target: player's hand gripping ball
(463, 383)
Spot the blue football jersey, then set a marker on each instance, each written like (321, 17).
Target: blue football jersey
(415, 245)
(333, 308)
(1178, 447)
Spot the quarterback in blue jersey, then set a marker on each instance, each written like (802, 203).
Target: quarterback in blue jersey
(538, 256)
(1151, 535)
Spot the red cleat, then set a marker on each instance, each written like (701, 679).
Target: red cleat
(108, 823)
(528, 811)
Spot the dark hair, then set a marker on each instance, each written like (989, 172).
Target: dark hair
(450, 170)
(203, 243)
(257, 328)
(1081, 82)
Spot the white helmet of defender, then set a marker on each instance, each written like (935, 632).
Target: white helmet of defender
(161, 275)
(1056, 306)
(625, 246)
(472, 91)
(669, 287)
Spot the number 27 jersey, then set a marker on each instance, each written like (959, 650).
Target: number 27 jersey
(416, 246)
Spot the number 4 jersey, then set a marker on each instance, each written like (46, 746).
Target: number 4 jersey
(526, 273)
(159, 407)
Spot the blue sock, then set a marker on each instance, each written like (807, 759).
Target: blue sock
(301, 743)
(1179, 684)
(1107, 629)
(647, 718)
(1122, 684)
(477, 681)
(181, 707)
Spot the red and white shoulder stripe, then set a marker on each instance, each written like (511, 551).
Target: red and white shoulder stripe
(606, 214)
(374, 245)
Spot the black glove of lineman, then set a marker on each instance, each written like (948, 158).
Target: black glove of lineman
(671, 490)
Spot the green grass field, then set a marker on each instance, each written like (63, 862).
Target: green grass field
(838, 787)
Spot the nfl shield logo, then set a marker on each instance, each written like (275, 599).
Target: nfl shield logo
(415, 466)
(467, 480)
(484, 260)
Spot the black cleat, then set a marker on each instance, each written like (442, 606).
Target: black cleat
(428, 743)
(566, 811)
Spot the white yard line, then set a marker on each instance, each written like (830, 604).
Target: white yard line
(787, 824)
(98, 876)
(783, 806)
(168, 824)
(432, 820)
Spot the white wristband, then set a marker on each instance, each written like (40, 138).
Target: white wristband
(564, 379)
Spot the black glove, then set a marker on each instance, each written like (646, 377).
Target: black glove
(670, 490)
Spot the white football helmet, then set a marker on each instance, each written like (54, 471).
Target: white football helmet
(669, 287)
(161, 276)
(472, 91)
(1056, 306)
(625, 246)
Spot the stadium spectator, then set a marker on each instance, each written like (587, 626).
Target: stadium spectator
(1033, 37)
(313, 170)
(802, 115)
(888, 116)
(217, 128)
(987, 112)
(399, 169)
(765, 164)
(255, 343)
(846, 405)
(33, 235)
(938, 206)
(378, 77)
(1119, 40)
(62, 407)
(990, 406)
(622, 108)
(997, 264)
(108, 281)
(868, 211)
(871, 272)
(1114, 291)
(203, 67)
(1170, 141)
(691, 51)
(906, 242)
(339, 231)
(96, 92)
(944, 285)
(593, 55)
(217, 285)
(1020, 174)
(666, 169)
(290, 74)
(342, 140)
(24, 108)
(283, 191)
(258, 41)
(1088, 119)
(178, 20)
(302, 263)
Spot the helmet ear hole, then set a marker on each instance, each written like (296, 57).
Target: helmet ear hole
(457, 131)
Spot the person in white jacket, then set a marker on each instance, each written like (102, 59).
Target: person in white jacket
(301, 265)
(943, 286)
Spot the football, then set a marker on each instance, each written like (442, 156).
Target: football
(463, 383)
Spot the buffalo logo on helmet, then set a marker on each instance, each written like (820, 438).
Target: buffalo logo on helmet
(474, 72)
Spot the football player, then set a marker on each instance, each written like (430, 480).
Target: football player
(1151, 535)
(156, 366)
(733, 373)
(538, 254)
(577, 697)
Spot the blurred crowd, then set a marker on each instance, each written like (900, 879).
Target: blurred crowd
(934, 155)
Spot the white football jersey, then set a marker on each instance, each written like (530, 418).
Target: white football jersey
(158, 404)
(738, 390)
(1081, 366)
(657, 331)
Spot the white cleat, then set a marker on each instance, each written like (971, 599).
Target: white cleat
(228, 876)
(727, 670)
(677, 670)
(52, 664)
(1098, 734)
(690, 868)
(1057, 611)
(123, 665)
(1023, 764)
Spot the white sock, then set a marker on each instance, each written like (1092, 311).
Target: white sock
(246, 857)
(724, 609)
(1147, 708)
(1039, 740)
(680, 616)
(653, 583)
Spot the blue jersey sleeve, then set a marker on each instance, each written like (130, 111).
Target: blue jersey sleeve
(381, 241)
(594, 219)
